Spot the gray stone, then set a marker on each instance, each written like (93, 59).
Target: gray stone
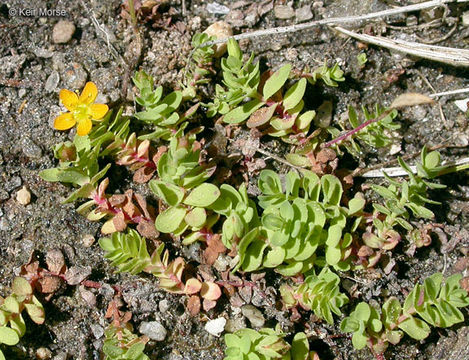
(284, 12)
(465, 18)
(60, 356)
(97, 330)
(254, 315)
(63, 32)
(21, 93)
(303, 13)
(43, 53)
(12, 184)
(216, 8)
(74, 76)
(52, 81)
(153, 329)
(163, 305)
(31, 149)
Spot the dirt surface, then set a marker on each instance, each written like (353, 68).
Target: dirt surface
(33, 68)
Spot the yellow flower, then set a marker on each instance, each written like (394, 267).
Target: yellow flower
(82, 110)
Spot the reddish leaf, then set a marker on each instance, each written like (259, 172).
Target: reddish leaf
(193, 305)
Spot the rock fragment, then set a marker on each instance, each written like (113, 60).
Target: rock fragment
(23, 196)
(63, 32)
(153, 329)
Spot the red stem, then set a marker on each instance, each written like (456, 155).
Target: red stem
(357, 129)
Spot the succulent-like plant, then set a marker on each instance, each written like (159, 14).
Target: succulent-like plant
(128, 251)
(240, 212)
(318, 293)
(12, 325)
(200, 68)
(266, 344)
(297, 220)
(434, 303)
(241, 79)
(329, 75)
(159, 112)
(120, 342)
(182, 188)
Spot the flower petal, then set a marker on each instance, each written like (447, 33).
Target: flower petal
(69, 99)
(98, 111)
(89, 93)
(64, 121)
(84, 127)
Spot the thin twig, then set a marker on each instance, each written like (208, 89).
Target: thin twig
(336, 20)
(330, 21)
(447, 55)
(450, 92)
(440, 39)
(458, 165)
(279, 159)
(102, 32)
(442, 115)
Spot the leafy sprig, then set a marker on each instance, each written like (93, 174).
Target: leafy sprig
(434, 303)
(12, 324)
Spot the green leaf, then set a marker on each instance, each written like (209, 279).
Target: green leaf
(241, 113)
(355, 205)
(276, 81)
(203, 195)
(334, 234)
(51, 175)
(21, 287)
(196, 217)
(171, 194)
(332, 189)
(254, 255)
(415, 328)
(300, 347)
(169, 220)
(8, 336)
(294, 95)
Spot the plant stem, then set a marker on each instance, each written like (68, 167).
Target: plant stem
(133, 17)
(357, 129)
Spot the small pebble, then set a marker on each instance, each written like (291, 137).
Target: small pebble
(31, 149)
(465, 18)
(97, 330)
(43, 353)
(153, 329)
(163, 306)
(52, 81)
(88, 240)
(75, 76)
(215, 327)
(21, 93)
(13, 183)
(23, 196)
(43, 53)
(254, 315)
(63, 32)
(216, 8)
(303, 13)
(220, 30)
(283, 12)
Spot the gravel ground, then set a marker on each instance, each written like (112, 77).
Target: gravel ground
(41, 55)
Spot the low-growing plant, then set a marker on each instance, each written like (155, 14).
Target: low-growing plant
(12, 325)
(434, 303)
(159, 112)
(120, 342)
(298, 219)
(318, 293)
(128, 251)
(266, 344)
(240, 212)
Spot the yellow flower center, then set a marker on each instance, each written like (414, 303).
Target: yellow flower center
(81, 112)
